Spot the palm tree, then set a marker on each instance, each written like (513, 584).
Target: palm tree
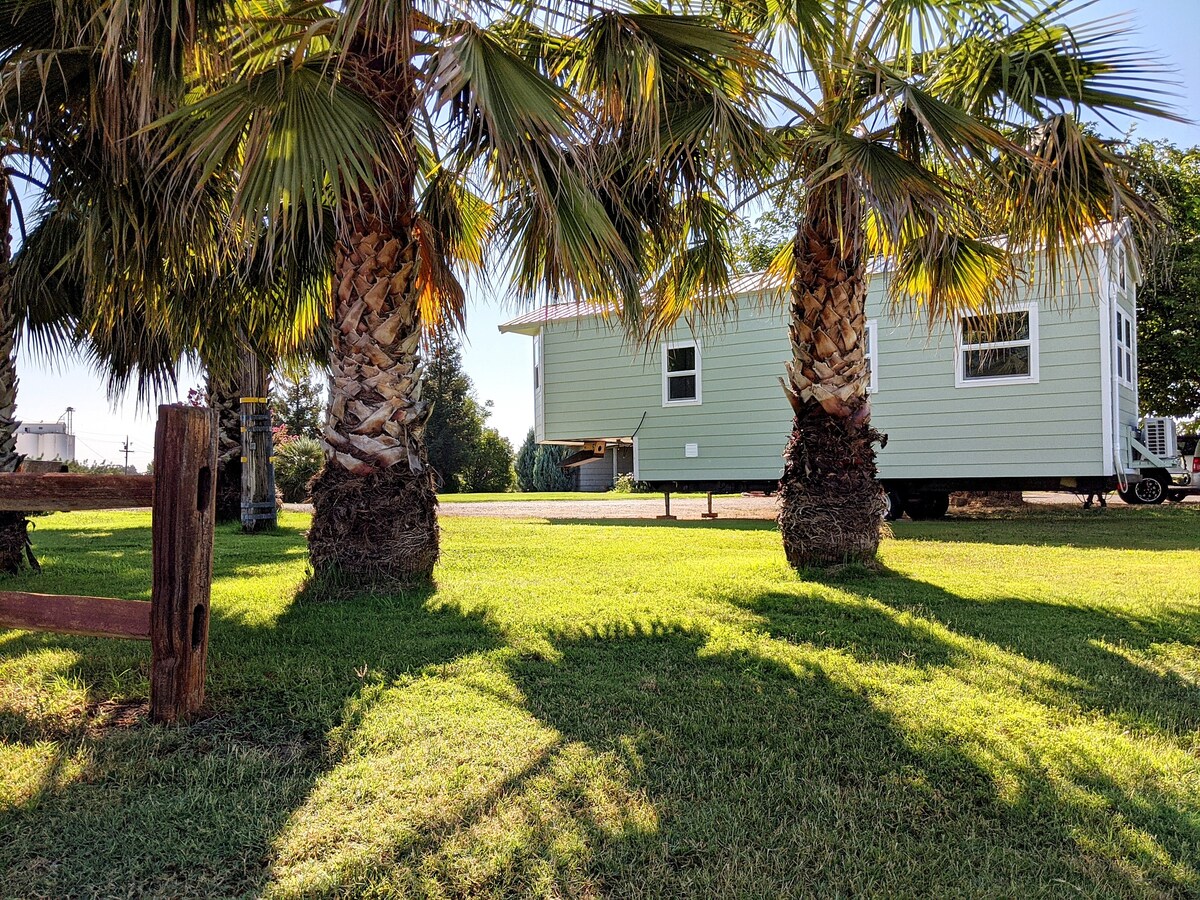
(582, 150)
(137, 286)
(44, 320)
(915, 131)
(14, 527)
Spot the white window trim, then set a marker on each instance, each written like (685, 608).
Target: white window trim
(676, 345)
(1127, 373)
(539, 390)
(960, 379)
(873, 356)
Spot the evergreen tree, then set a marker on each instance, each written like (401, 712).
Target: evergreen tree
(548, 474)
(465, 453)
(539, 467)
(298, 401)
(526, 457)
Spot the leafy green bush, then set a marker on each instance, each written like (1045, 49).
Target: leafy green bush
(625, 484)
(296, 464)
(490, 467)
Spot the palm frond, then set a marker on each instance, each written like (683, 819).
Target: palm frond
(1057, 196)
(305, 146)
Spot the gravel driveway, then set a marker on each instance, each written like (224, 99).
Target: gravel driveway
(650, 506)
(642, 508)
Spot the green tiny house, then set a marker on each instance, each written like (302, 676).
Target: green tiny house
(1050, 396)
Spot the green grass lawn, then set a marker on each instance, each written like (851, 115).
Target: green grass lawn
(1011, 709)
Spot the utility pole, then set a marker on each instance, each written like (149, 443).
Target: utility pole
(126, 450)
(258, 471)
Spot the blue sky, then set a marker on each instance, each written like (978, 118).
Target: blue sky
(501, 365)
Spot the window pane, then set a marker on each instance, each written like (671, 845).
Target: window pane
(1012, 326)
(1128, 335)
(681, 387)
(1004, 362)
(1120, 364)
(681, 359)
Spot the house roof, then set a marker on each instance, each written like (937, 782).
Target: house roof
(753, 283)
(532, 321)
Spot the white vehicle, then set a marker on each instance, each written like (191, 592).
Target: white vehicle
(1167, 464)
(1189, 469)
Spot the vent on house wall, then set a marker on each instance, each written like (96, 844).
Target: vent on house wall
(1160, 438)
(691, 450)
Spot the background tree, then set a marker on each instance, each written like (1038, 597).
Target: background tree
(756, 246)
(298, 401)
(524, 465)
(539, 467)
(490, 467)
(463, 450)
(1169, 295)
(455, 423)
(548, 474)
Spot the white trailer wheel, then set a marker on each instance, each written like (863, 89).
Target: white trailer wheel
(1149, 490)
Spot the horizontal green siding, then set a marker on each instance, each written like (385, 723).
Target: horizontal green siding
(596, 386)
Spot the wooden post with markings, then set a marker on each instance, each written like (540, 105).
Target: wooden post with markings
(185, 462)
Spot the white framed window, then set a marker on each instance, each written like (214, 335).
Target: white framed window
(1000, 349)
(1122, 266)
(1126, 343)
(871, 354)
(681, 373)
(537, 361)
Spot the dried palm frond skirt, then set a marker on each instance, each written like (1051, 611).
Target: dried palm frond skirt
(15, 548)
(373, 531)
(831, 507)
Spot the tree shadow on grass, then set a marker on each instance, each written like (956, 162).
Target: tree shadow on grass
(198, 812)
(1122, 665)
(768, 780)
(869, 631)
(1128, 528)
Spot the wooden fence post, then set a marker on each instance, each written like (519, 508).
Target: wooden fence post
(185, 463)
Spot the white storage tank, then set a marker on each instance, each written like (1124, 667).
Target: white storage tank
(45, 440)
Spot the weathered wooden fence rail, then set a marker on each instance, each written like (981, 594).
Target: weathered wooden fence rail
(175, 621)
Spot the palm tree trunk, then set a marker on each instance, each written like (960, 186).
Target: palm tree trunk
(14, 526)
(223, 396)
(831, 506)
(375, 521)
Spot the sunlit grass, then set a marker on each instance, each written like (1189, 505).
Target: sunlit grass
(1009, 708)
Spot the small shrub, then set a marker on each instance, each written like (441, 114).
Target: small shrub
(297, 462)
(625, 484)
